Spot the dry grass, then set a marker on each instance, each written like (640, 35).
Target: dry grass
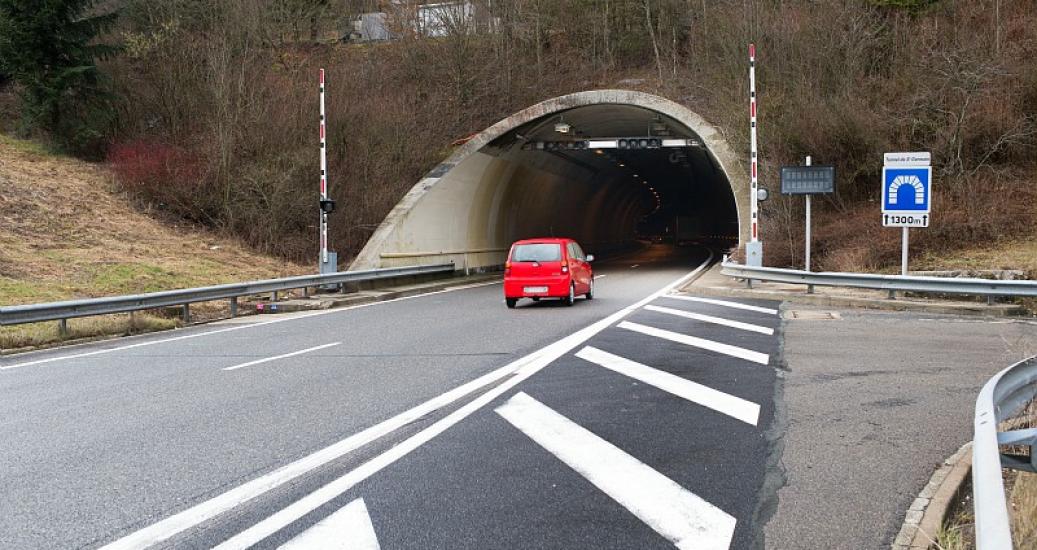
(65, 232)
(1024, 511)
(42, 334)
(1010, 254)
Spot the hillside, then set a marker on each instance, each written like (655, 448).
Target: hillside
(65, 232)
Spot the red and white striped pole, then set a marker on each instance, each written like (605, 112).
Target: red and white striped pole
(323, 178)
(754, 207)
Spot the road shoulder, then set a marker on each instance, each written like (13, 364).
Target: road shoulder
(876, 400)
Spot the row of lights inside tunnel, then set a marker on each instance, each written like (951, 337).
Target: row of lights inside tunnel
(637, 178)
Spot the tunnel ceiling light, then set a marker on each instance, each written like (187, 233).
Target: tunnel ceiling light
(599, 152)
(640, 142)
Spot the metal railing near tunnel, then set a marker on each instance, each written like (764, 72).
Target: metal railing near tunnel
(893, 283)
(62, 311)
(1003, 397)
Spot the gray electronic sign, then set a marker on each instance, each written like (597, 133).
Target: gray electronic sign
(807, 180)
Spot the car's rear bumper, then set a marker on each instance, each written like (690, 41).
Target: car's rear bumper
(557, 287)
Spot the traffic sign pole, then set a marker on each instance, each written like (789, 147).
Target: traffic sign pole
(807, 255)
(903, 253)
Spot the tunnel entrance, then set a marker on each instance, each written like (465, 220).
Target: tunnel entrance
(605, 167)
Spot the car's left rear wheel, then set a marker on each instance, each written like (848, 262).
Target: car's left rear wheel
(511, 302)
(590, 290)
(571, 298)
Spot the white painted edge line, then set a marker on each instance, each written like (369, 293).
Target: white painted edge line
(237, 327)
(168, 527)
(725, 303)
(529, 365)
(674, 512)
(725, 403)
(711, 319)
(283, 356)
(347, 529)
(733, 351)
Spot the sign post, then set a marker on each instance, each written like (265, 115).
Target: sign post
(807, 180)
(906, 195)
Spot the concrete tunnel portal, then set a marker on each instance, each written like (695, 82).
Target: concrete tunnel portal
(512, 181)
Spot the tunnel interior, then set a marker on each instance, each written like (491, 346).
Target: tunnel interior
(546, 177)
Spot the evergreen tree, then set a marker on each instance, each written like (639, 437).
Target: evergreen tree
(49, 48)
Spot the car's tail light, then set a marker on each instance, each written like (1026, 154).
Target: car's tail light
(507, 268)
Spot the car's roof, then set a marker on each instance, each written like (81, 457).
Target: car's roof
(544, 240)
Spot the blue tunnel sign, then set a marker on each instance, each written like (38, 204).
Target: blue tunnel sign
(906, 196)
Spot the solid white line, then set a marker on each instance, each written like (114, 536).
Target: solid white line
(347, 529)
(276, 357)
(725, 303)
(166, 528)
(238, 327)
(527, 366)
(684, 518)
(711, 319)
(725, 403)
(733, 351)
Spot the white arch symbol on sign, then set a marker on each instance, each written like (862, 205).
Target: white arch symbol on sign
(913, 181)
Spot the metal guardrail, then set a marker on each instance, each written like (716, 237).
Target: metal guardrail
(1001, 398)
(892, 283)
(61, 311)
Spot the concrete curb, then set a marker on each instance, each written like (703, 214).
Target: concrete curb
(931, 508)
(322, 302)
(715, 284)
(331, 301)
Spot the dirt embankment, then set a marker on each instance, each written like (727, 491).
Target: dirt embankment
(66, 232)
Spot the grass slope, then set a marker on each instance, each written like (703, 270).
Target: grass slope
(66, 232)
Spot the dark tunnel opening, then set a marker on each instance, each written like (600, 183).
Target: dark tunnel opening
(569, 170)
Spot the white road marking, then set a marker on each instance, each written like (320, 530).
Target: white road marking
(600, 276)
(166, 528)
(347, 529)
(238, 327)
(724, 303)
(684, 518)
(283, 356)
(733, 351)
(711, 319)
(523, 369)
(725, 403)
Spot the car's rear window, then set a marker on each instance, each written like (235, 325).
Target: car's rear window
(537, 253)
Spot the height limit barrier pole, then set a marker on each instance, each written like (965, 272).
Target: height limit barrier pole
(753, 248)
(323, 179)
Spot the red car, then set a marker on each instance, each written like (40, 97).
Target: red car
(547, 268)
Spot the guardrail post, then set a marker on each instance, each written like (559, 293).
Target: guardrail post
(63, 328)
(749, 283)
(990, 299)
(234, 306)
(187, 313)
(892, 295)
(273, 296)
(810, 288)
(305, 292)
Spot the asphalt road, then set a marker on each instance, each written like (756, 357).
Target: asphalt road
(407, 422)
